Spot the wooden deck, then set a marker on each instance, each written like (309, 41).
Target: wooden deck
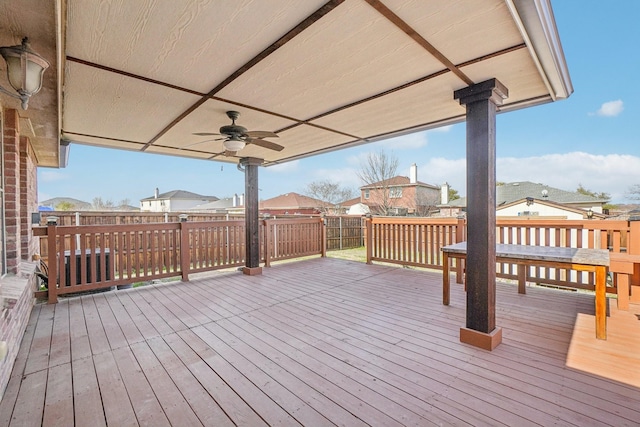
(321, 342)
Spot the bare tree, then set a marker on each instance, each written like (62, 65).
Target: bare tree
(425, 202)
(102, 205)
(124, 203)
(376, 171)
(634, 192)
(331, 193)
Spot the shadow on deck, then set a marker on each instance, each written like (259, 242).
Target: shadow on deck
(321, 342)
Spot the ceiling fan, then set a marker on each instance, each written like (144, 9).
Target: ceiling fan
(235, 137)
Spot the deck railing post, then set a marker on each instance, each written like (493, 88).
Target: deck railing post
(460, 237)
(52, 253)
(185, 251)
(369, 238)
(633, 245)
(267, 243)
(323, 243)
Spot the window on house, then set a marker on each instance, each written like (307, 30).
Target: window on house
(366, 194)
(395, 192)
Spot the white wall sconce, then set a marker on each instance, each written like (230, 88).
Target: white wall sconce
(24, 71)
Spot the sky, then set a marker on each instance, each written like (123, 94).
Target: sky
(590, 139)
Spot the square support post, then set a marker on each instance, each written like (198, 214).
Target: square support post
(251, 216)
(481, 100)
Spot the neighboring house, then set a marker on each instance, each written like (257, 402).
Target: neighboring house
(345, 207)
(173, 201)
(291, 204)
(534, 208)
(73, 204)
(402, 195)
(227, 205)
(546, 201)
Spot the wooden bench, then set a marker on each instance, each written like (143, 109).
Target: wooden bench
(591, 260)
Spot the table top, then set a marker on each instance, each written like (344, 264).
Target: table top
(542, 253)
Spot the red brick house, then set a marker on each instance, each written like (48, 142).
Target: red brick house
(400, 195)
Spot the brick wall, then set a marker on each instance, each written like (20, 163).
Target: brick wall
(20, 195)
(28, 198)
(15, 309)
(11, 134)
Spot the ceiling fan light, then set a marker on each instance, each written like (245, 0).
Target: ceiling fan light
(234, 143)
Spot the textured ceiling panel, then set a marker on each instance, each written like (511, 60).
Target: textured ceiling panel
(514, 70)
(192, 44)
(461, 30)
(356, 54)
(428, 102)
(105, 104)
(305, 140)
(140, 74)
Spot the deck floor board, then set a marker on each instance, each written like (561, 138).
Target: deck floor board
(321, 342)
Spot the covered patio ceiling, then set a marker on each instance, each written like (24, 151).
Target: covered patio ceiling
(323, 75)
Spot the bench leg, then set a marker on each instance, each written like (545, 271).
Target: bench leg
(601, 303)
(522, 279)
(445, 279)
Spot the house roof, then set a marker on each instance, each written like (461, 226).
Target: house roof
(223, 203)
(180, 195)
(512, 191)
(398, 181)
(291, 201)
(351, 202)
(550, 203)
(322, 74)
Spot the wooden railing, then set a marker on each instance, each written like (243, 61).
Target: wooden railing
(411, 241)
(293, 238)
(84, 258)
(417, 242)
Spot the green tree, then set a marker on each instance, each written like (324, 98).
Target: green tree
(65, 206)
(587, 192)
(453, 194)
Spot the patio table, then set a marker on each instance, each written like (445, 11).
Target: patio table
(580, 259)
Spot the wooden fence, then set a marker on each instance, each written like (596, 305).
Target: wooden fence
(345, 232)
(90, 257)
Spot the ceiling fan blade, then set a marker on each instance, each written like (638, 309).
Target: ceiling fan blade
(205, 133)
(200, 142)
(265, 144)
(261, 134)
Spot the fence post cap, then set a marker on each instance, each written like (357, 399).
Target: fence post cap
(52, 220)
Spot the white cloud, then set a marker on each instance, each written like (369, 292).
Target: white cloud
(411, 141)
(441, 129)
(346, 177)
(287, 167)
(611, 108)
(611, 173)
(439, 170)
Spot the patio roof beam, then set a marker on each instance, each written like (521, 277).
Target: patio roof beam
(481, 101)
